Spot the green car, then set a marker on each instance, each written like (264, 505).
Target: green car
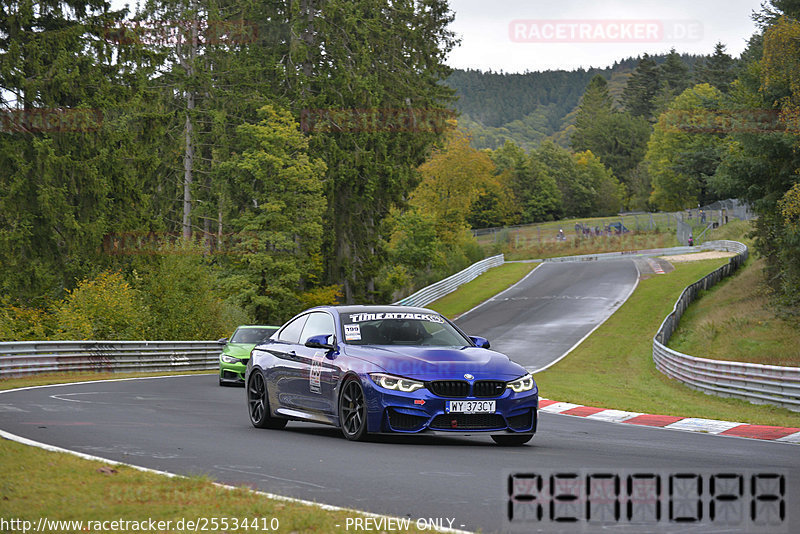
(236, 352)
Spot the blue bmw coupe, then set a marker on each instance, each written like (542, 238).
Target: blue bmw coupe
(389, 370)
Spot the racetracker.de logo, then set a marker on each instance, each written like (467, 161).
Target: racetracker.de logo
(373, 120)
(176, 32)
(50, 120)
(604, 31)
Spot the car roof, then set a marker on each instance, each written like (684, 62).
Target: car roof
(351, 308)
(256, 326)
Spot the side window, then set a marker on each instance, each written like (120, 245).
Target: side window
(319, 323)
(291, 332)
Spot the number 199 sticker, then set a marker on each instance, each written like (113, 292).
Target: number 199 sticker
(352, 332)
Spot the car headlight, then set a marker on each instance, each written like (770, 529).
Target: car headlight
(397, 383)
(519, 385)
(228, 359)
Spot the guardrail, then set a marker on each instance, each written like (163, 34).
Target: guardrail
(18, 358)
(441, 288)
(756, 383)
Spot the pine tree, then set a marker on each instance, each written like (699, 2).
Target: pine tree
(673, 75)
(718, 70)
(638, 98)
(596, 105)
(371, 72)
(59, 147)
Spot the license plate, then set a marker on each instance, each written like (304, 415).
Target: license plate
(470, 406)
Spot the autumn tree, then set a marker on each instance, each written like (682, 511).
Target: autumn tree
(452, 180)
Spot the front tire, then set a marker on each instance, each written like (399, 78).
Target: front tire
(353, 410)
(512, 440)
(258, 405)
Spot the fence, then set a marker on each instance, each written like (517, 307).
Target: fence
(18, 358)
(692, 221)
(753, 382)
(441, 288)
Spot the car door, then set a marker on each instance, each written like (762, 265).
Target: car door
(323, 373)
(288, 374)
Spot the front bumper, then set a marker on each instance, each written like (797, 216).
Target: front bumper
(232, 373)
(423, 412)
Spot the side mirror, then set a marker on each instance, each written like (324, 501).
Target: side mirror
(321, 341)
(482, 342)
(222, 341)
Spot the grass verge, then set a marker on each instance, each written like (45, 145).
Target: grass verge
(483, 287)
(37, 484)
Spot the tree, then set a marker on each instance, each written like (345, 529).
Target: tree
(762, 162)
(718, 70)
(673, 76)
(682, 157)
(275, 255)
(452, 180)
(62, 157)
(618, 139)
(577, 195)
(377, 66)
(536, 192)
(596, 106)
(638, 97)
(609, 193)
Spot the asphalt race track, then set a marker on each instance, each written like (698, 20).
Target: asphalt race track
(552, 309)
(190, 425)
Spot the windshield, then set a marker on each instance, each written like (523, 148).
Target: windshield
(423, 329)
(251, 335)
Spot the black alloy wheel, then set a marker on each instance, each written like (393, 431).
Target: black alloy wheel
(258, 405)
(353, 410)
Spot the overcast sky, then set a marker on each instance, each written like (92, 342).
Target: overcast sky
(487, 29)
(694, 26)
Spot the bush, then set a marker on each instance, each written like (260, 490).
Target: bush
(24, 324)
(183, 295)
(106, 308)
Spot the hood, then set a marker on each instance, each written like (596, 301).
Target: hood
(438, 363)
(238, 350)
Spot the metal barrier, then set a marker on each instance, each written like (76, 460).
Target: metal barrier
(756, 383)
(441, 288)
(18, 358)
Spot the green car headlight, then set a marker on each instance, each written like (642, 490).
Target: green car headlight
(396, 383)
(521, 384)
(228, 359)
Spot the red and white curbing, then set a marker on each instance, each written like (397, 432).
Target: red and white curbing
(690, 424)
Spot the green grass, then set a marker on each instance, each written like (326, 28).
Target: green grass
(35, 484)
(735, 321)
(614, 368)
(482, 288)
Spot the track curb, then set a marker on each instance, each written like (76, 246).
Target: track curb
(669, 422)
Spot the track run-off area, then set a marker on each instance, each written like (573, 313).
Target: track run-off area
(188, 425)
